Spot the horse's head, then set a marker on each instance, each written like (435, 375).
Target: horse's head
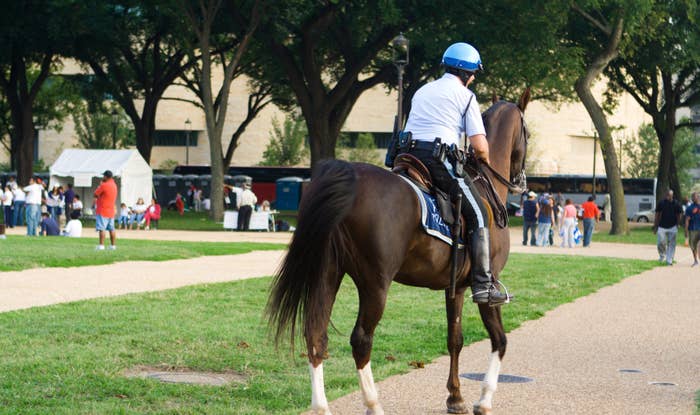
(508, 136)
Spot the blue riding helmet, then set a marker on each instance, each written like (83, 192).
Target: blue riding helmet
(462, 56)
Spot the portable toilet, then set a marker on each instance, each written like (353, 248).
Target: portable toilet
(288, 193)
(159, 184)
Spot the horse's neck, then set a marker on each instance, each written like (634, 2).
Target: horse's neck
(500, 162)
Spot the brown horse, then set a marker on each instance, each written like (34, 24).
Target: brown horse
(364, 221)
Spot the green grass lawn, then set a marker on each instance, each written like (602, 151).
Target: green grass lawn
(21, 252)
(69, 358)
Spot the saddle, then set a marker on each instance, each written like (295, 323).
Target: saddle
(412, 168)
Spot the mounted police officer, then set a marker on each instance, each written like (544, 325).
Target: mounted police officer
(440, 112)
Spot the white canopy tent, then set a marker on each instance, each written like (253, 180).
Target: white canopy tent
(84, 168)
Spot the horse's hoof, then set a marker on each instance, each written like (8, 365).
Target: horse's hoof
(456, 407)
(479, 410)
(375, 411)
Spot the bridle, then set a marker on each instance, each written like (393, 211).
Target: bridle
(518, 184)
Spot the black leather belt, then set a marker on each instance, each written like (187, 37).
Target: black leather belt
(422, 145)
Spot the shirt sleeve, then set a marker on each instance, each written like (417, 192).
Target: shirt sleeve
(473, 122)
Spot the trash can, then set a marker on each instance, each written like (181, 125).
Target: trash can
(288, 193)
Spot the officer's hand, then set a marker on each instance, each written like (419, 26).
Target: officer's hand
(653, 229)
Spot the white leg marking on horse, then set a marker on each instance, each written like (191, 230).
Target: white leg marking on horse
(369, 391)
(490, 383)
(319, 403)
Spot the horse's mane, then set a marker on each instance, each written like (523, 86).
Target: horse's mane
(496, 107)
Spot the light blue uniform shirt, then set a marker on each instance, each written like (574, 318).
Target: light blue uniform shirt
(437, 110)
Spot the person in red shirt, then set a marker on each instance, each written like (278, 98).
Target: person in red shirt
(105, 197)
(591, 215)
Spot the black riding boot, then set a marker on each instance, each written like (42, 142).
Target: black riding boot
(484, 291)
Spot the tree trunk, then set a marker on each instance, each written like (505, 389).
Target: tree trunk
(612, 169)
(25, 150)
(321, 139)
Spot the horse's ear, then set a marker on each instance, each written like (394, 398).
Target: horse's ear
(524, 99)
(494, 98)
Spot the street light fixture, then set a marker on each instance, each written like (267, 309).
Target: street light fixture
(399, 47)
(188, 128)
(115, 122)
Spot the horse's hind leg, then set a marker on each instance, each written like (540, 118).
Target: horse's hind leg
(455, 341)
(491, 316)
(372, 303)
(316, 333)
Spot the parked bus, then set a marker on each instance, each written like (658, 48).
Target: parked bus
(640, 194)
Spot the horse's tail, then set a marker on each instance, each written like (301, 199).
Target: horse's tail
(304, 287)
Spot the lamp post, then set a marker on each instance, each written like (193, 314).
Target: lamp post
(115, 121)
(595, 145)
(188, 127)
(399, 47)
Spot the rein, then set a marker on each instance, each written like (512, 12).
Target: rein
(519, 185)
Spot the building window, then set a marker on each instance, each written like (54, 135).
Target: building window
(175, 138)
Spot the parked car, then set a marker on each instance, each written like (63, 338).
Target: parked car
(644, 216)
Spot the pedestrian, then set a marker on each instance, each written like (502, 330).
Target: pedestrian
(74, 228)
(124, 213)
(245, 209)
(105, 197)
(530, 218)
(692, 226)
(591, 216)
(568, 224)
(68, 197)
(668, 216)
(77, 205)
(6, 198)
(152, 214)
(32, 205)
(607, 208)
(18, 206)
(545, 220)
(48, 225)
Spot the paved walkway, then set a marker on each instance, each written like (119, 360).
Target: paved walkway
(648, 322)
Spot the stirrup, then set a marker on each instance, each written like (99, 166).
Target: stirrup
(488, 290)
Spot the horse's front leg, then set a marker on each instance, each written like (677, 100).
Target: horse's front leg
(455, 341)
(491, 316)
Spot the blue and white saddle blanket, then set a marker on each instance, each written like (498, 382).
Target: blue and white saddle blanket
(430, 215)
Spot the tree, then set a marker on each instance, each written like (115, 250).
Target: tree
(56, 100)
(134, 50)
(220, 44)
(598, 27)
(660, 69)
(363, 150)
(286, 146)
(97, 129)
(34, 35)
(643, 153)
(329, 53)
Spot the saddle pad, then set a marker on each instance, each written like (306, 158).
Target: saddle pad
(430, 216)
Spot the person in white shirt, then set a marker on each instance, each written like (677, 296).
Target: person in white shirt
(18, 211)
(137, 212)
(441, 111)
(77, 205)
(74, 228)
(247, 201)
(34, 192)
(6, 198)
